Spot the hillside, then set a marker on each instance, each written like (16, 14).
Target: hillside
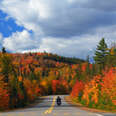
(23, 77)
(48, 56)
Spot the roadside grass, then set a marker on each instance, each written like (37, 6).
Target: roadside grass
(91, 106)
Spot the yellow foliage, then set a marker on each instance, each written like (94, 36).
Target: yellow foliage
(20, 78)
(43, 83)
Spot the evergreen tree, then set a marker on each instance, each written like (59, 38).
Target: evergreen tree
(6, 71)
(101, 53)
(13, 93)
(23, 101)
(3, 50)
(6, 65)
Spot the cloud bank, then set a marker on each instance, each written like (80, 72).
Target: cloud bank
(67, 27)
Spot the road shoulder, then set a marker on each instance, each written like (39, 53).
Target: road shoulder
(29, 105)
(69, 100)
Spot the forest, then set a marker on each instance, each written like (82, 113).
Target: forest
(25, 77)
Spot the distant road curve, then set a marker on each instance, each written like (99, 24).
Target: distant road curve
(48, 107)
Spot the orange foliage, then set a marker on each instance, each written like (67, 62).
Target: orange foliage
(32, 89)
(92, 89)
(109, 85)
(20, 78)
(105, 85)
(55, 85)
(78, 87)
(43, 83)
(84, 67)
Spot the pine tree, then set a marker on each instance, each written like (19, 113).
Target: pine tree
(101, 53)
(3, 50)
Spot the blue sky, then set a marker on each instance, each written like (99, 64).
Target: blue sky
(68, 27)
(8, 25)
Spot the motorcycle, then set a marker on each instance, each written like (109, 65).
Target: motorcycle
(58, 101)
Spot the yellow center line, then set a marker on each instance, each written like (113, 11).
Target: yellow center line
(52, 106)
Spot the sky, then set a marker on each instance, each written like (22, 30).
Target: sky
(70, 28)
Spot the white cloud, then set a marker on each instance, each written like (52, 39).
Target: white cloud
(26, 13)
(71, 47)
(40, 7)
(20, 41)
(79, 46)
(66, 27)
(1, 37)
(1, 40)
(55, 18)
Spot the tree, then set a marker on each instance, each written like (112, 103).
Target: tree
(6, 71)
(101, 53)
(23, 93)
(14, 99)
(111, 58)
(6, 66)
(88, 66)
(87, 59)
(3, 50)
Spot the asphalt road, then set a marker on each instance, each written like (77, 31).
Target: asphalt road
(48, 107)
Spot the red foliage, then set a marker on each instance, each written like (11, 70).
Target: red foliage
(84, 67)
(59, 86)
(4, 95)
(78, 87)
(55, 85)
(109, 85)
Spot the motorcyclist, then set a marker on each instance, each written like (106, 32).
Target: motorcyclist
(58, 100)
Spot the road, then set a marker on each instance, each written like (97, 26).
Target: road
(48, 107)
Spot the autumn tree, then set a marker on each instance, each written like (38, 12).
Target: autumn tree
(111, 58)
(88, 66)
(22, 93)
(6, 72)
(14, 99)
(6, 66)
